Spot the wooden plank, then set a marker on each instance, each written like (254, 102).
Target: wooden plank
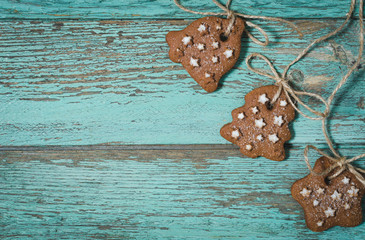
(111, 82)
(165, 9)
(154, 194)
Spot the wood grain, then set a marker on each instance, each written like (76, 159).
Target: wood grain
(164, 9)
(111, 82)
(153, 194)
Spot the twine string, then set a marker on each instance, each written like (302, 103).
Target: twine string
(339, 162)
(289, 92)
(342, 163)
(232, 16)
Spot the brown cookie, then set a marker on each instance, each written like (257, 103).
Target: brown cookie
(258, 128)
(329, 203)
(203, 50)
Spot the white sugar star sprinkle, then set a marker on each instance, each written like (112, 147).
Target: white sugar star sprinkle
(320, 190)
(273, 138)
(353, 191)
(235, 134)
(215, 45)
(259, 137)
(255, 110)
(278, 120)
(248, 147)
(207, 75)
(214, 59)
(201, 46)
(320, 223)
(194, 62)
(283, 103)
(186, 40)
(263, 99)
(260, 123)
(329, 212)
(336, 195)
(315, 203)
(305, 192)
(241, 116)
(347, 206)
(202, 28)
(346, 180)
(228, 53)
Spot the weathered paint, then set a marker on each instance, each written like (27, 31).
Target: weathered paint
(71, 84)
(149, 194)
(165, 9)
(111, 82)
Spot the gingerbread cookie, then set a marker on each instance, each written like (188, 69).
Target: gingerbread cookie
(329, 203)
(204, 51)
(259, 128)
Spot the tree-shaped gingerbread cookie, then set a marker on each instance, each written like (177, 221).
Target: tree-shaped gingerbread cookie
(260, 128)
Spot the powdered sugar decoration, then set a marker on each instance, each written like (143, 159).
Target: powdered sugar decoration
(263, 99)
(305, 192)
(255, 110)
(249, 147)
(215, 45)
(315, 203)
(320, 190)
(235, 134)
(278, 120)
(202, 28)
(283, 103)
(260, 137)
(346, 206)
(194, 62)
(329, 212)
(201, 46)
(353, 191)
(207, 75)
(346, 180)
(336, 195)
(214, 59)
(186, 40)
(241, 116)
(260, 123)
(273, 138)
(228, 53)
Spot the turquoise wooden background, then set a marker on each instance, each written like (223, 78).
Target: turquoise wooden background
(102, 136)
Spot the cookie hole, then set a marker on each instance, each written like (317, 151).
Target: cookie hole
(327, 180)
(269, 105)
(223, 37)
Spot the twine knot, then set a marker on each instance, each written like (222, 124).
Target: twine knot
(283, 83)
(339, 163)
(232, 15)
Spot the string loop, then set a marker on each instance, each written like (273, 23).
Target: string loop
(286, 88)
(230, 14)
(341, 163)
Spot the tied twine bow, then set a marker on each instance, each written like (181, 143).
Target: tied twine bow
(342, 163)
(339, 162)
(289, 92)
(232, 16)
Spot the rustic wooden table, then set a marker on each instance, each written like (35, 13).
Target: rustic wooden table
(102, 136)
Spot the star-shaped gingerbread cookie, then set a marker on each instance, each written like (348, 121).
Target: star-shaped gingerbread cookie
(204, 50)
(259, 128)
(329, 203)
